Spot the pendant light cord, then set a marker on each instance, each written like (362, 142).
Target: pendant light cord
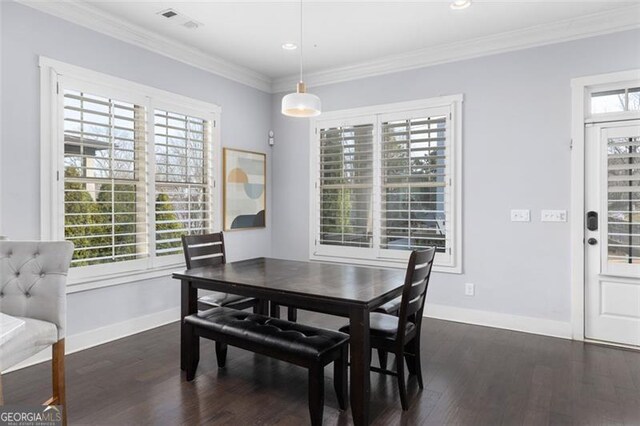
(300, 40)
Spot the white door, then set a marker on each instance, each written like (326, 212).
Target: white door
(612, 233)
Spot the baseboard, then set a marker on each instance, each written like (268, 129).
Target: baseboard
(531, 325)
(99, 336)
(119, 330)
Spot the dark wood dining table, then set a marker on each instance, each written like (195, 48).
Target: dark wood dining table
(343, 290)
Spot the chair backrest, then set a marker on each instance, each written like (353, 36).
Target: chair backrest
(204, 250)
(414, 292)
(33, 278)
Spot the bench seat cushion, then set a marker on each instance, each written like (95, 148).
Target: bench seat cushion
(270, 333)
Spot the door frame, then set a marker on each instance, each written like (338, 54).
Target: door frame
(580, 102)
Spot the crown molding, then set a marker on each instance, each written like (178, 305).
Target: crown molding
(86, 15)
(556, 32)
(83, 13)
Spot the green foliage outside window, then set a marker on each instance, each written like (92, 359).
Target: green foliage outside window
(105, 230)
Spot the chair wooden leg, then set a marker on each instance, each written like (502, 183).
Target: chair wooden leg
(221, 354)
(382, 356)
(193, 352)
(57, 378)
(275, 310)
(316, 394)
(340, 383)
(292, 314)
(416, 360)
(401, 381)
(409, 356)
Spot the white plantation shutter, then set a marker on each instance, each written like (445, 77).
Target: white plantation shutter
(387, 183)
(104, 178)
(414, 177)
(346, 186)
(182, 178)
(623, 202)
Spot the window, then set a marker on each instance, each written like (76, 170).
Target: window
(346, 185)
(387, 182)
(182, 179)
(133, 171)
(623, 201)
(615, 100)
(104, 188)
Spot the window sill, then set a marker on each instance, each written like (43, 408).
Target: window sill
(380, 263)
(91, 283)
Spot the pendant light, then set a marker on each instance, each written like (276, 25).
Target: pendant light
(301, 103)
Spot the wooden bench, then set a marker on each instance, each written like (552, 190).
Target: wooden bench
(299, 344)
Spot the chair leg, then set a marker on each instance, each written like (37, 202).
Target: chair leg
(193, 352)
(340, 370)
(221, 354)
(57, 377)
(401, 381)
(292, 314)
(416, 361)
(382, 356)
(409, 357)
(316, 394)
(275, 310)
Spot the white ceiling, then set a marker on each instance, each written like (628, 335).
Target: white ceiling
(337, 33)
(341, 35)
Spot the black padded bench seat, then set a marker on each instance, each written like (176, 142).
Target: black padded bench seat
(303, 345)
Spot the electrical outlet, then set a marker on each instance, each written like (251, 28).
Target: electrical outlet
(469, 289)
(554, 216)
(520, 216)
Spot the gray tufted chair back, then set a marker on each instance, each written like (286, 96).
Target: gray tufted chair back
(33, 276)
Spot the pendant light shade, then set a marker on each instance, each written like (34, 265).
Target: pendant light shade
(301, 104)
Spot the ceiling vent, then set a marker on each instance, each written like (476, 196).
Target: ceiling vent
(169, 13)
(180, 19)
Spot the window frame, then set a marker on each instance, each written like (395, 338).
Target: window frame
(376, 256)
(55, 76)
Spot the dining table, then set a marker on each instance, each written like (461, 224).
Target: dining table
(337, 289)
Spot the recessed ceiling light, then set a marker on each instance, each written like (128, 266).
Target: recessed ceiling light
(289, 46)
(460, 4)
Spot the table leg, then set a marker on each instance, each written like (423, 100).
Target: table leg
(188, 306)
(360, 362)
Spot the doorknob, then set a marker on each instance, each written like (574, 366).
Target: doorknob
(592, 241)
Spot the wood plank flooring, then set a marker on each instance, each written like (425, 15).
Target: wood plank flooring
(473, 376)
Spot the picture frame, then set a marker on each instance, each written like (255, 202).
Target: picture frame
(244, 189)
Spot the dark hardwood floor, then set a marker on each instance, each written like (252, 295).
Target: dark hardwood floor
(473, 376)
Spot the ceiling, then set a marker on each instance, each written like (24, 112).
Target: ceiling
(343, 34)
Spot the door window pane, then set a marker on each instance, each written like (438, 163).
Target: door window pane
(623, 204)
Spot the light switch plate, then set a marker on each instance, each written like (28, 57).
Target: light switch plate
(520, 216)
(554, 216)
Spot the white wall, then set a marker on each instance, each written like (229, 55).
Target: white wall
(516, 136)
(515, 153)
(26, 34)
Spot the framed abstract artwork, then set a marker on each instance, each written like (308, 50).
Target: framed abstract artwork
(244, 189)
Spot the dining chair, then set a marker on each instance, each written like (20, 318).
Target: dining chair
(33, 277)
(400, 334)
(209, 250)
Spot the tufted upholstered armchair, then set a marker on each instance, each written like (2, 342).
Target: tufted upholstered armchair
(33, 277)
